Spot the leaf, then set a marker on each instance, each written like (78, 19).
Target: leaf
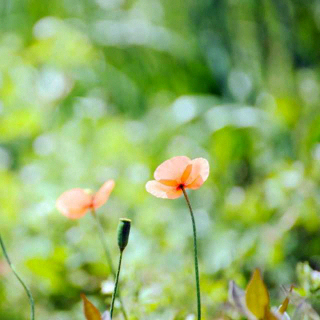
(300, 312)
(284, 306)
(257, 296)
(90, 311)
(269, 315)
(303, 307)
(276, 315)
(237, 298)
(303, 311)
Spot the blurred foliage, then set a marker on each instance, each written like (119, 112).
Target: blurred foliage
(254, 301)
(92, 90)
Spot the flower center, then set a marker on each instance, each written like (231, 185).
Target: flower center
(180, 186)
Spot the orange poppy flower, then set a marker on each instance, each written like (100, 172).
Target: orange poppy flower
(75, 203)
(176, 173)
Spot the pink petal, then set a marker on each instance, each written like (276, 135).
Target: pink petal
(172, 169)
(101, 197)
(199, 173)
(160, 190)
(74, 203)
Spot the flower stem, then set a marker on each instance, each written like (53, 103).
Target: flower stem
(108, 256)
(196, 266)
(18, 277)
(103, 242)
(116, 285)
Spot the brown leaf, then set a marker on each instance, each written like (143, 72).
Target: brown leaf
(257, 296)
(269, 315)
(90, 311)
(284, 306)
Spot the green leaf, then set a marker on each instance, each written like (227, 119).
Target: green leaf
(90, 311)
(257, 296)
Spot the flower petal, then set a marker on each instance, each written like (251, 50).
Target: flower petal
(74, 203)
(196, 184)
(186, 173)
(101, 197)
(174, 193)
(199, 173)
(169, 183)
(160, 190)
(172, 169)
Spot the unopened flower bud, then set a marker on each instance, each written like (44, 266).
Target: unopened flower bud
(123, 233)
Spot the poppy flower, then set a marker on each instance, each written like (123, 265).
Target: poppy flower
(177, 173)
(75, 203)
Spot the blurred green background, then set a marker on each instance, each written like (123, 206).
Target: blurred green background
(93, 90)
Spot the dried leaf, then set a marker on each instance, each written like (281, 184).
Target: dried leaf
(305, 310)
(303, 307)
(269, 315)
(275, 312)
(237, 298)
(284, 306)
(90, 311)
(300, 312)
(257, 296)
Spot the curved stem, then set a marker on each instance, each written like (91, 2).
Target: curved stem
(18, 277)
(116, 285)
(108, 256)
(196, 266)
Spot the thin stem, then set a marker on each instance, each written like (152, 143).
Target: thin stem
(103, 242)
(108, 256)
(116, 285)
(18, 277)
(196, 266)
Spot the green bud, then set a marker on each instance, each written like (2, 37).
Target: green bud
(123, 233)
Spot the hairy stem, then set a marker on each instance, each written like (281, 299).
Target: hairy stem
(108, 256)
(116, 285)
(196, 266)
(18, 277)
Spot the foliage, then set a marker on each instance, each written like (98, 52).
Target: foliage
(254, 303)
(97, 90)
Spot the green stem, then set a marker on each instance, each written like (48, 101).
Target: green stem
(195, 252)
(18, 277)
(116, 285)
(108, 256)
(103, 242)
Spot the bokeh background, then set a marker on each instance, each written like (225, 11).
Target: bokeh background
(93, 90)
